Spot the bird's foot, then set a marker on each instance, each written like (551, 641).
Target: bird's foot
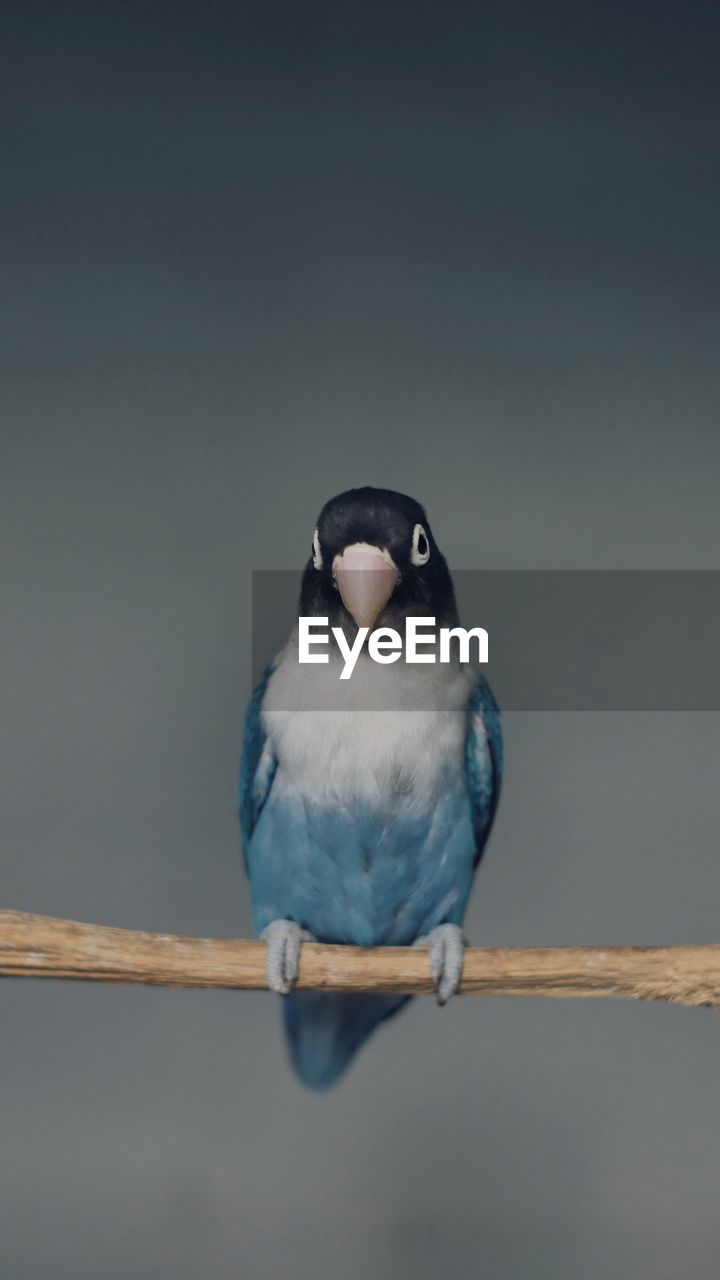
(283, 940)
(446, 945)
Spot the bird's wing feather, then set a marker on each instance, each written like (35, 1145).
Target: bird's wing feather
(483, 761)
(257, 767)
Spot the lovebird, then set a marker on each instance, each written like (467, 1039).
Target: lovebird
(365, 803)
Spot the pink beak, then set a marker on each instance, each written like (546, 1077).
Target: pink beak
(365, 576)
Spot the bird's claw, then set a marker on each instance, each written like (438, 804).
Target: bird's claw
(446, 945)
(283, 940)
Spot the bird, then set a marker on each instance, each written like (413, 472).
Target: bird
(365, 804)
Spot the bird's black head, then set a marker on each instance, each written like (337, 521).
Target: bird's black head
(374, 560)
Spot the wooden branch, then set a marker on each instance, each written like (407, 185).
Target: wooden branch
(41, 947)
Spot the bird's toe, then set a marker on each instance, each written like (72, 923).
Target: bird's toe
(283, 940)
(446, 947)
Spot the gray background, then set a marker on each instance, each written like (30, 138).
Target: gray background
(252, 254)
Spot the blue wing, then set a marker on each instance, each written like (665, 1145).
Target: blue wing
(483, 761)
(257, 766)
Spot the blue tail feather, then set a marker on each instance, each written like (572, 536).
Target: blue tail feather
(324, 1031)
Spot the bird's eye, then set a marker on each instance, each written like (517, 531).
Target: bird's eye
(316, 552)
(420, 553)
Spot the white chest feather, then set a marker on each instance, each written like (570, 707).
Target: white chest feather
(388, 733)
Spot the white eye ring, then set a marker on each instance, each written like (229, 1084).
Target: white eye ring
(420, 553)
(317, 553)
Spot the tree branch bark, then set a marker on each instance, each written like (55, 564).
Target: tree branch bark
(33, 946)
